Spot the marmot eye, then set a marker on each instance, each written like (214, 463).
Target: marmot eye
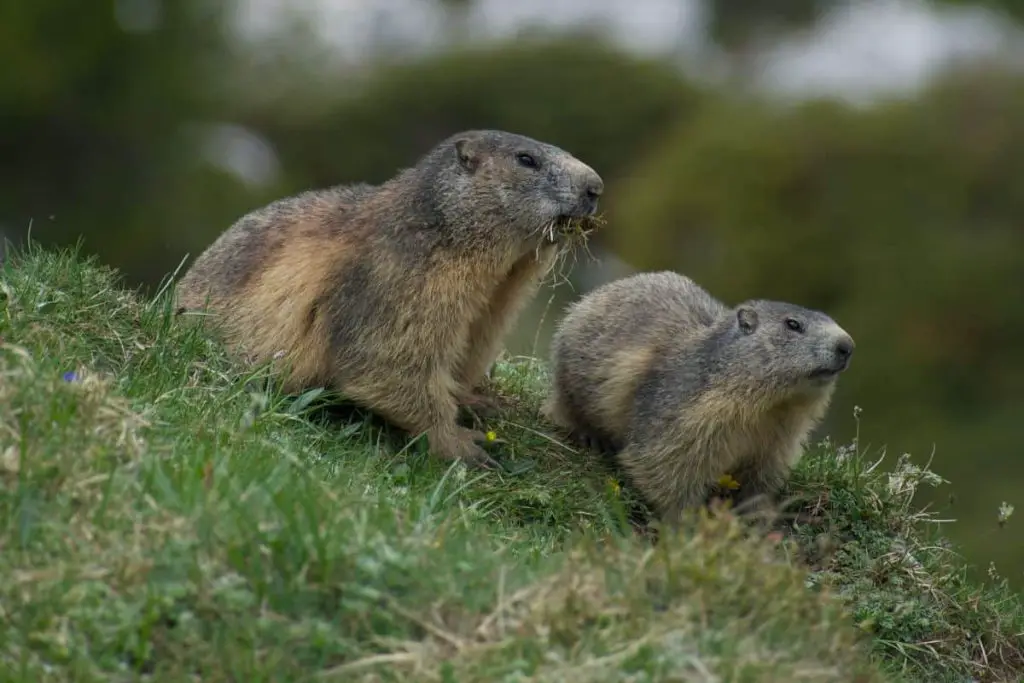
(526, 160)
(794, 324)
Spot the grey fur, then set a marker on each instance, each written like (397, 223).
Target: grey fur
(682, 389)
(398, 295)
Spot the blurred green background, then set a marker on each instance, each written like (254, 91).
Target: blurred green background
(864, 158)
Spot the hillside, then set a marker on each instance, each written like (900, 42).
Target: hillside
(165, 513)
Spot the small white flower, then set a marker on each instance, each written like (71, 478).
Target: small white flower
(1005, 510)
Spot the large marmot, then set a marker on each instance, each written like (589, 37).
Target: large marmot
(399, 295)
(681, 389)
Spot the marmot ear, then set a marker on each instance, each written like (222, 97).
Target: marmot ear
(746, 318)
(466, 152)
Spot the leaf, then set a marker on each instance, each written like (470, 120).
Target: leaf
(401, 471)
(519, 466)
(302, 402)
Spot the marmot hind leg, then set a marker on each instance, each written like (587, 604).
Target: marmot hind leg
(427, 406)
(476, 408)
(595, 440)
(559, 411)
(482, 404)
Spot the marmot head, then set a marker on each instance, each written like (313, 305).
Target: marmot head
(494, 176)
(790, 347)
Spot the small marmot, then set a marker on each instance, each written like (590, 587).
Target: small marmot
(681, 389)
(399, 295)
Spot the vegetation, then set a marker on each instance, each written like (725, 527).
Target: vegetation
(148, 129)
(165, 512)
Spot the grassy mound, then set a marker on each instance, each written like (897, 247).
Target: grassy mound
(165, 515)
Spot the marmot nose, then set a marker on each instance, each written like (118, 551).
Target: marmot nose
(844, 350)
(592, 188)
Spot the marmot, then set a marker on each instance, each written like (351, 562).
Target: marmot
(680, 389)
(398, 296)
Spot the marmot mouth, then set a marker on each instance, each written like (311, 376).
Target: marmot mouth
(577, 228)
(823, 373)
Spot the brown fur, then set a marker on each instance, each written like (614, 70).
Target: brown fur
(399, 296)
(681, 389)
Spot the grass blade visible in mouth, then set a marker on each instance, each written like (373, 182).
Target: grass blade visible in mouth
(576, 230)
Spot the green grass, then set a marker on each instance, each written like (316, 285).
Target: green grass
(166, 517)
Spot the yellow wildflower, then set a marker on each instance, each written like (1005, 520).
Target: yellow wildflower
(727, 482)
